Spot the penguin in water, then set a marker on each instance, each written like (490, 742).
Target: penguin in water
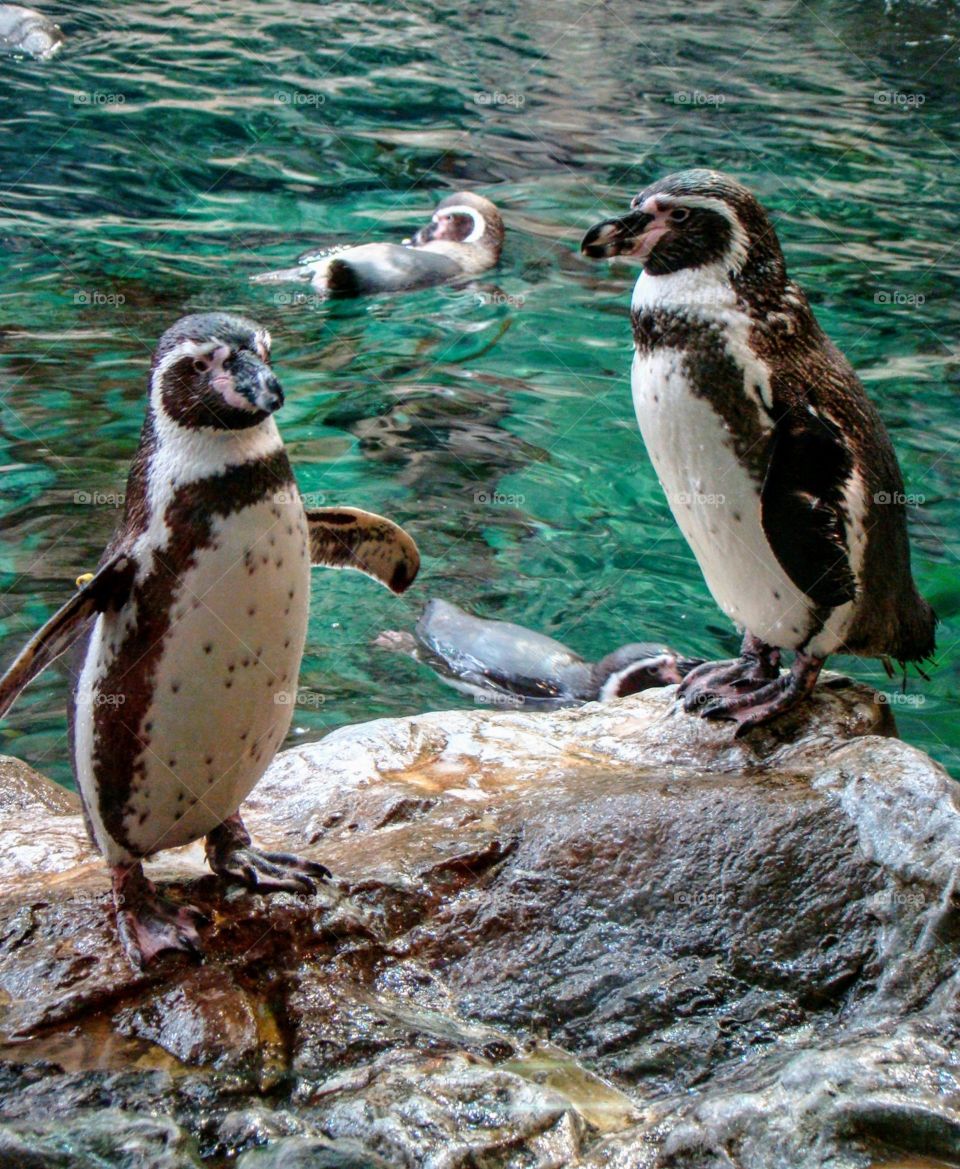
(464, 238)
(191, 631)
(776, 466)
(502, 662)
(24, 32)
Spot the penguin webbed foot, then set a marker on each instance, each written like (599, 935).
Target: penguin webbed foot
(232, 856)
(712, 682)
(775, 698)
(149, 924)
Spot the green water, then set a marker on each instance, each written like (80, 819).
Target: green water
(174, 149)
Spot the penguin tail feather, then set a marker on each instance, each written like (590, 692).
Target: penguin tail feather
(917, 641)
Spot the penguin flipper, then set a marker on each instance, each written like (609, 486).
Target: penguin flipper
(346, 537)
(801, 505)
(108, 589)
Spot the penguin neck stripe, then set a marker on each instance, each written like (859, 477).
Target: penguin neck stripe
(178, 353)
(479, 223)
(736, 255)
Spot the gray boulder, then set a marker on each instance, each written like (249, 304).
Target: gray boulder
(609, 936)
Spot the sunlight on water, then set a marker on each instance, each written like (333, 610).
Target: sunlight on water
(171, 151)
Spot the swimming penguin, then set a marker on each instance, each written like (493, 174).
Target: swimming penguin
(498, 660)
(776, 466)
(464, 238)
(28, 33)
(191, 632)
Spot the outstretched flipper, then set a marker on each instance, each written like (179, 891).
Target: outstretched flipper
(109, 589)
(346, 537)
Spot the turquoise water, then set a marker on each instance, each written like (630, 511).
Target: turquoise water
(175, 149)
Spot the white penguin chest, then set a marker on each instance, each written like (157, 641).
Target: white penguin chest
(715, 501)
(224, 684)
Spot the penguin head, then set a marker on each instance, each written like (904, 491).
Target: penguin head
(464, 218)
(638, 666)
(212, 370)
(693, 219)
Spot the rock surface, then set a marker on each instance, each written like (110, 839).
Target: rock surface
(612, 936)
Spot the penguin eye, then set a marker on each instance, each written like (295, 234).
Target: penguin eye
(201, 365)
(679, 214)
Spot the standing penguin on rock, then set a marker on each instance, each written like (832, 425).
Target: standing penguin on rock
(191, 632)
(776, 466)
(464, 238)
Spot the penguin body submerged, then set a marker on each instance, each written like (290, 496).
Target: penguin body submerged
(464, 238)
(191, 632)
(25, 32)
(501, 661)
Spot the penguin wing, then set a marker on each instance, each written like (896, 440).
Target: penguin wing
(346, 537)
(802, 505)
(108, 589)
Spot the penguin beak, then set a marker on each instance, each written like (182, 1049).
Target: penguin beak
(424, 235)
(631, 235)
(255, 381)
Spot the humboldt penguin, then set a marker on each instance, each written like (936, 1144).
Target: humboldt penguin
(464, 238)
(776, 466)
(189, 636)
(500, 662)
(24, 32)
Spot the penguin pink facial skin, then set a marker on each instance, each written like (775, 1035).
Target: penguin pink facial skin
(191, 632)
(778, 469)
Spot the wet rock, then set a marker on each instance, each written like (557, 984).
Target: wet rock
(91, 1141)
(203, 1018)
(42, 828)
(610, 936)
(312, 1153)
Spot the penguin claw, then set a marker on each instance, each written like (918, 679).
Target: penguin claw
(270, 872)
(231, 855)
(149, 924)
(709, 686)
(765, 702)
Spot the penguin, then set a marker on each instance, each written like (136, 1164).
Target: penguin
(500, 661)
(24, 32)
(464, 238)
(189, 636)
(777, 467)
